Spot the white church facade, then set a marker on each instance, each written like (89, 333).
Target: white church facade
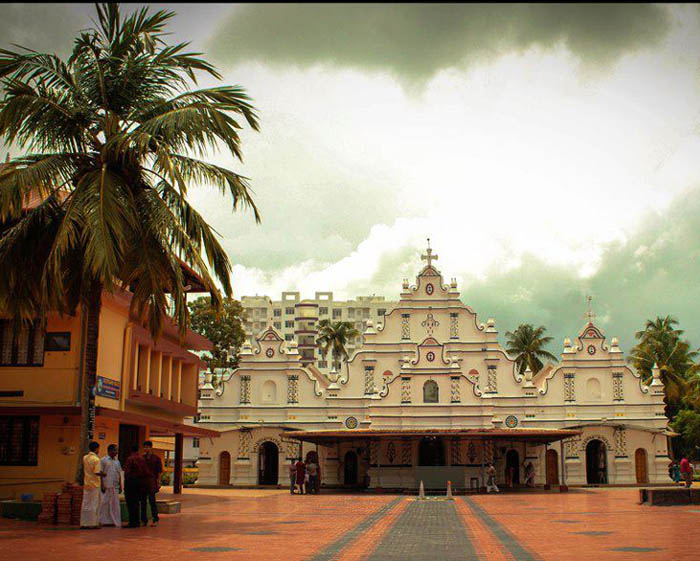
(432, 396)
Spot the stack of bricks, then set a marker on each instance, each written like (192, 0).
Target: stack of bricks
(63, 509)
(76, 492)
(48, 509)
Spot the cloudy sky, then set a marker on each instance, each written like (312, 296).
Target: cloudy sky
(549, 152)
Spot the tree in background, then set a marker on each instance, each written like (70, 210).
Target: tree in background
(661, 343)
(527, 344)
(113, 139)
(687, 424)
(222, 327)
(333, 337)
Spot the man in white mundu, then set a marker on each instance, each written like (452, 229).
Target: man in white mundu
(110, 509)
(92, 472)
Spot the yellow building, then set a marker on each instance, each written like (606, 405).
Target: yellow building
(145, 388)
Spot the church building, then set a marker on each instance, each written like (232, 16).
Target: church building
(432, 396)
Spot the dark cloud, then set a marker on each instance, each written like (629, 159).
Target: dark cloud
(414, 41)
(42, 27)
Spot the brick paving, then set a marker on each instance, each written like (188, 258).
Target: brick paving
(257, 525)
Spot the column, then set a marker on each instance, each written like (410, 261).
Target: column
(178, 394)
(135, 367)
(177, 473)
(563, 486)
(147, 385)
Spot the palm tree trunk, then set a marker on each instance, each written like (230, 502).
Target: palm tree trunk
(87, 392)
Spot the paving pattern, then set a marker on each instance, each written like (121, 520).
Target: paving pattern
(261, 525)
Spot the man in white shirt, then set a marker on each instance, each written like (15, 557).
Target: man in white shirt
(110, 509)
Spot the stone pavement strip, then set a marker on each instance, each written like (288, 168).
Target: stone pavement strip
(426, 531)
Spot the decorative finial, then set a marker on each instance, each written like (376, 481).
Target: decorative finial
(589, 311)
(429, 255)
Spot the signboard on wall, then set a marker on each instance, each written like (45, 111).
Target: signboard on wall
(106, 387)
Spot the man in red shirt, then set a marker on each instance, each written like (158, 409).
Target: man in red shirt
(687, 471)
(136, 478)
(155, 468)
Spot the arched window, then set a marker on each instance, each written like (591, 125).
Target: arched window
(269, 392)
(593, 389)
(431, 392)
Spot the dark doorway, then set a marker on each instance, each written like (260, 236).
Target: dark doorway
(596, 463)
(552, 467)
(350, 468)
(431, 452)
(224, 468)
(268, 463)
(513, 467)
(128, 437)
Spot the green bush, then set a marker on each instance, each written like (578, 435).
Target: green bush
(189, 478)
(165, 478)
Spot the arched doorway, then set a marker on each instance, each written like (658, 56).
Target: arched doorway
(224, 468)
(513, 466)
(268, 464)
(640, 465)
(596, 463)
(552, 467)
(350, 468)
(431, 452)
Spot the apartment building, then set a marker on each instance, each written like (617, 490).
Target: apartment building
(297, 320)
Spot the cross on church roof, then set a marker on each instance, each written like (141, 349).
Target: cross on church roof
(589, 312)
(428, 256)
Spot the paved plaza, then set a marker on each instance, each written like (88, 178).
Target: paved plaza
(250, 525)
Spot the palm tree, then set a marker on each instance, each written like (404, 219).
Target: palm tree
(333, 337)
(660, 343)
(527, 344)
(114, 137)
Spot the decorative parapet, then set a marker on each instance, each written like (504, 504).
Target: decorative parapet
(405, 326)
(245, 389)
(569, 387)
(293, 389)
(245, 439)
(618, 392)
(405, 389)
(454, 389)
(491, 379)
(454, 325)
(620, 443)
(369, 380)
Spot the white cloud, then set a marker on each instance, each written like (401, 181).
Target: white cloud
(526, 154)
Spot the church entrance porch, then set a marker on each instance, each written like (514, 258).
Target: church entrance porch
(400, 459)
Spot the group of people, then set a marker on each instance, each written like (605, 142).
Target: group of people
(681, 471)
(305, 475)
(510, 476)
(104, 481)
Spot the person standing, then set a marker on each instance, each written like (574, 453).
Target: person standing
(155, 468)
(292, 476)
(687, 471)
(136, 477)
(312, 470)
(530, 475)
(89, 510)
(110, 509)
(301, 472)
(491, 479)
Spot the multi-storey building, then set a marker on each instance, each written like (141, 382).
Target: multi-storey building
(297, 320)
